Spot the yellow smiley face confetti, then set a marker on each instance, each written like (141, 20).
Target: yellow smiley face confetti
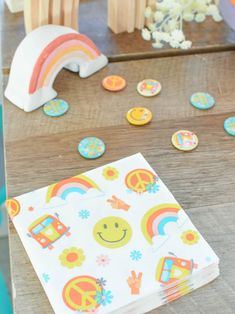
(139, 116)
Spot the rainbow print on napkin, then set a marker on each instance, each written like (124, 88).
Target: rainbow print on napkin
(112, 240)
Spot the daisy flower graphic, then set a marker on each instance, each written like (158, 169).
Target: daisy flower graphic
(190, 237)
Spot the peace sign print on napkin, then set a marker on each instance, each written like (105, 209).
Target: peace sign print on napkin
(79, 293)
(138, 179)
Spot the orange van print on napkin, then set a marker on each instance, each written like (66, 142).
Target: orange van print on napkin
(47, 229)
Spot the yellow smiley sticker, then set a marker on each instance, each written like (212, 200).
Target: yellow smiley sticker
(112, 232)
(139, 116)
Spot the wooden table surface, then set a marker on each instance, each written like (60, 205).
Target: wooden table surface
(207, 36)
(41, 150)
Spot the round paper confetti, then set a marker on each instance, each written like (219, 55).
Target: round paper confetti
(55, 107)
(202, 101)
(114, 83)
(91, 148)
(184, 140)
(149, 87)
(139, 116)
(229, 125)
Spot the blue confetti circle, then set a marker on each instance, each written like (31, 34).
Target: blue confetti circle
(202, 101)
(56, 107)
(229, 125)
(91, 148)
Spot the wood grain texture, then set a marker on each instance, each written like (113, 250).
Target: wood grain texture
(125, 15)
(59, 152)
(112, 18)
(203, 181)
(31, 16)
(55, 7)
(208, 36)
(40, 150)
(75, 14)
(131, 15)
(92, 106)
(43, 13)
(140, 7)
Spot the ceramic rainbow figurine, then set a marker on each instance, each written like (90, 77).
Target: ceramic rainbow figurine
(39, 58)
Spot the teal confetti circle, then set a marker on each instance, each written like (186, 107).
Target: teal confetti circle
(91, 148)
(56, 107)
(229, 125)
(202, 101)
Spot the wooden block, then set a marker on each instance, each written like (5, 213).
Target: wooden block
(121, 15)
(31, 9)
(43, 12)
(117, 15)
(125, 15)
(27, 15)
(139, 16)
(59, 12)
(130, 17)
(75, 11)
(113, 16)
(69, 13)
(55, 12)
(67, 8)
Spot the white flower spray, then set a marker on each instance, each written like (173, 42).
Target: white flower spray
(169, 18)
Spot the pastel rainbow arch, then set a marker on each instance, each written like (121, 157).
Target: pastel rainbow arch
(80, 184)
(155, 220)
(56, 52)
(39, 58)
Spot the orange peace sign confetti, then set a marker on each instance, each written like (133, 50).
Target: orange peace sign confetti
(79, 293)
(13, 207)
(138, 179)
(114, 83)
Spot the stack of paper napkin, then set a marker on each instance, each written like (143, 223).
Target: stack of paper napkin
(112, 240)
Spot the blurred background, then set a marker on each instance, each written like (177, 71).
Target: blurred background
(5, 282)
